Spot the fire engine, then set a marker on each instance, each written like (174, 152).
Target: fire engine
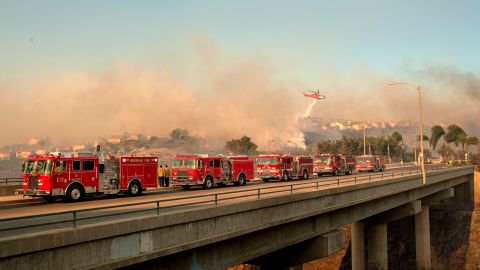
(207, 171)
(75, 175)
(284, 167)
(370, 163)
(334, 164)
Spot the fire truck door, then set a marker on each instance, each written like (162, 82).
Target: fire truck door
(217, 170)
(287, 163)
(60, 174)
(89, 175)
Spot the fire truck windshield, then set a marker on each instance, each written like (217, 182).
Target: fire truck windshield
(266, 160)
(185, 163)
(323, 159)
(29, 166)
(363, 159)
(39, 167)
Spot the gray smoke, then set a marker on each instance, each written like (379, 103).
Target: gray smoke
(466, 83)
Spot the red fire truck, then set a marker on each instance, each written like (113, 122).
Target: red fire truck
(284, 167)
(207, 171)
(334, 164)
(76, 175)
(369, 163)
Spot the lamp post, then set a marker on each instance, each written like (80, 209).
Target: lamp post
(419, 91)
(364, 139)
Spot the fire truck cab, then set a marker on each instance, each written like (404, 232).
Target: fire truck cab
(284, 167)
(370, 163)
(75, 175)
(334, 164)
(207, 171)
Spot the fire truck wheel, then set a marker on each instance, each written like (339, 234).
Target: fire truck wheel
(75, 192)
(241, 180)
(285, 177)
(186, 187)
(50, 198)
(208, 182)
(135, 188)
(265, 180)
(319, 174)
(304, 175)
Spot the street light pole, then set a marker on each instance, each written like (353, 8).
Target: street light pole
(422, 156)
(364, 140)
(419, 90)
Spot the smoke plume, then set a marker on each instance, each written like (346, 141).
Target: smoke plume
(221, 97)
(228, 98)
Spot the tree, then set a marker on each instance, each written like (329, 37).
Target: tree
(425, 139)
(179, 134)
(347, 146)
(396, 141)
(437, 133)
(473, 141)
(243, 146)
(328, 146)
(397, 136)
(456, 135)
(446, 151)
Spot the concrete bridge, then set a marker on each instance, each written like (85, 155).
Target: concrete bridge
(273, 232)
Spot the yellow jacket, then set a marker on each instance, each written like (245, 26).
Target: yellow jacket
(161, 172)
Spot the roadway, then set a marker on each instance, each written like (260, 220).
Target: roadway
(39, 206)
(174, 199)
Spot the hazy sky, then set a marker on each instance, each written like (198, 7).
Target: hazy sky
(69, 48)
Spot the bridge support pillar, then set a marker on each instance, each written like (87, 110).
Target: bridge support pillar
(377, 246)
(422, 238)
(358, 245)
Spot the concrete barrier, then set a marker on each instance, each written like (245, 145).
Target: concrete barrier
(8, 190)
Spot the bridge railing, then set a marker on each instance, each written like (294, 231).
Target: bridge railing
(74, 218)
(11, 181)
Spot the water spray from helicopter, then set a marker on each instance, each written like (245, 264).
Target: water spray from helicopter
(315, 95)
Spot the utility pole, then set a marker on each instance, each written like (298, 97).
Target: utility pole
(415, 149)
(420, 125)
(364, 140)
(388, 150)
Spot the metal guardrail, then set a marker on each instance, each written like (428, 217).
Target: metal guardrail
(11, 181)
(74, 216)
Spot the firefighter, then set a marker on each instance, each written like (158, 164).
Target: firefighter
(161, 176)
(167, 175)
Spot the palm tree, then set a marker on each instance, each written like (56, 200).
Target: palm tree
(425, 139)
(455, 134)
(437, 133)
(473, 141)
(398, 139)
